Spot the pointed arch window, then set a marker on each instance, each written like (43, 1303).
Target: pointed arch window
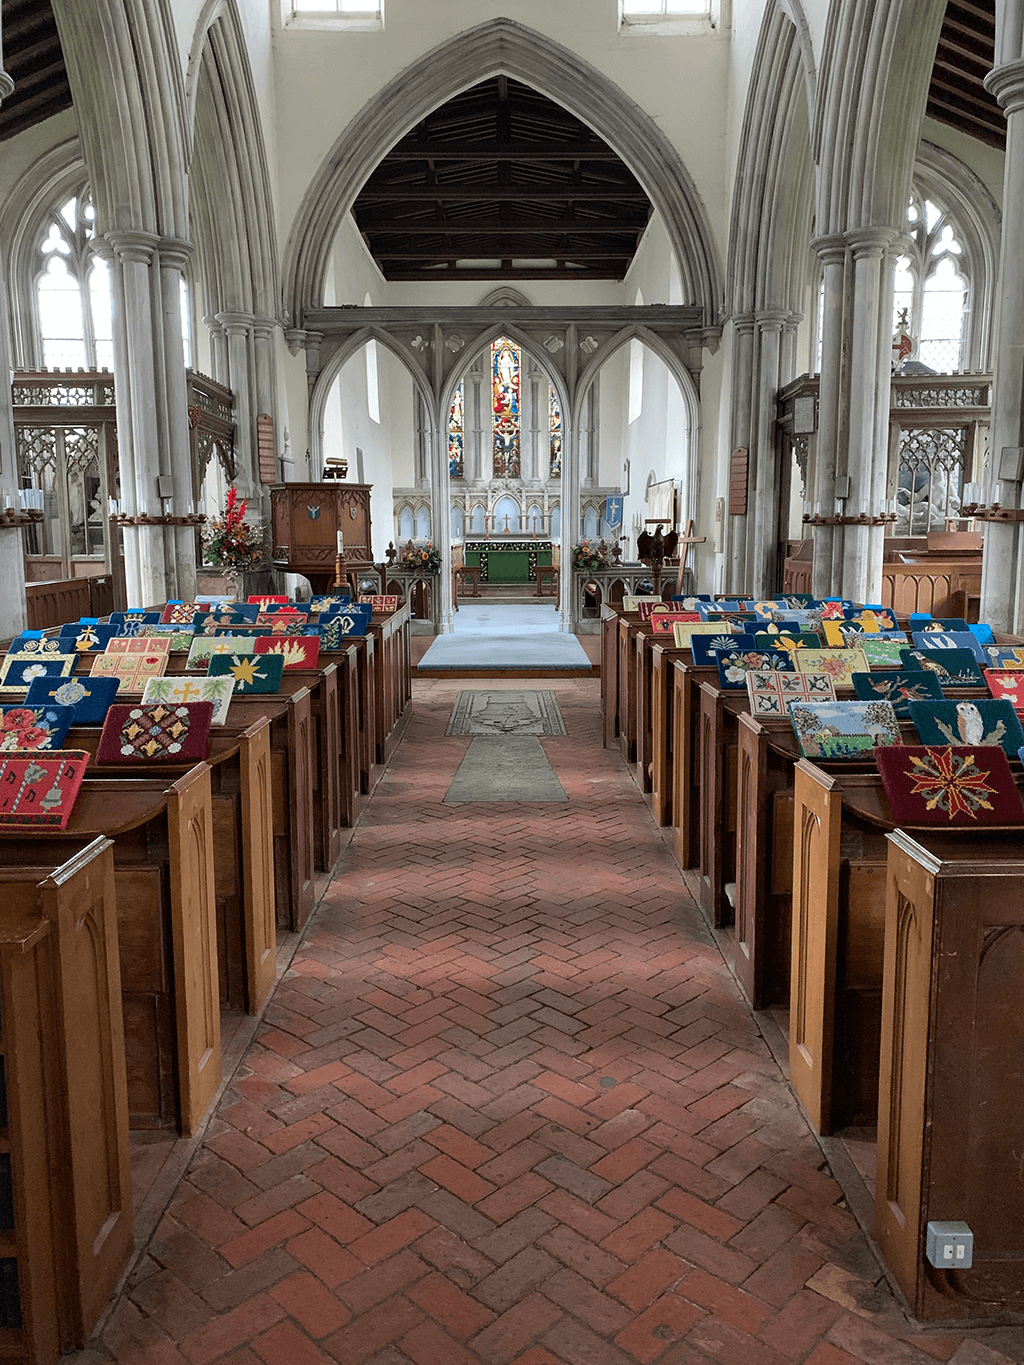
(73, 292)
(74, 301)
(456, 435)
(506, 437)
(932, 287)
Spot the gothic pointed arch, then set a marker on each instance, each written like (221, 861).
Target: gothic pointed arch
(873, 86)
(482, 342)
(501, 46)
(232, 205)
(58, 175)
(129, 98)
(332, 367)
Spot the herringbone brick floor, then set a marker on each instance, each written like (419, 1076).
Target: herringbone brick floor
(508, 1107)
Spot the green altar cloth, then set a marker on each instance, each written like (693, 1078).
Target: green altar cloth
(508, 561)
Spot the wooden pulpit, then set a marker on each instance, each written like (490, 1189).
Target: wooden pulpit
(307, 519)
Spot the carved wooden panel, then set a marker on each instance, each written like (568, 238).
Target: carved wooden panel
(750, 841)
(194, 937)
(662, 735)
(817, 813)
(258, 843)
(609, 681)
(627, 692)
(952, 1076)
(79, 898)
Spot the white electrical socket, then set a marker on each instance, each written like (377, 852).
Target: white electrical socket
(949, 1245)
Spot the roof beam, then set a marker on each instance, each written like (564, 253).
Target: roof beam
(461, 194)
(517, 151)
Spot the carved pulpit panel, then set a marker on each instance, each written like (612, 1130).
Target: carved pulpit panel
(307, 519)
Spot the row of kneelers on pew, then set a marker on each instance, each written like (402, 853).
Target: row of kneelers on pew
(804, 857)
(125, 931)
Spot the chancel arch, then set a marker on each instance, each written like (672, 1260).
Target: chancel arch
(495, 47)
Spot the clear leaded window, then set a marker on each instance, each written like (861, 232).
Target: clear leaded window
(932, 288)
(73, 294)
(73, 285)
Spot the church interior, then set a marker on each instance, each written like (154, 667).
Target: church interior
(511, 751)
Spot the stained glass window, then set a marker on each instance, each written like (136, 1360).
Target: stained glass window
(505, 371)
(555, 428)
(456, 437)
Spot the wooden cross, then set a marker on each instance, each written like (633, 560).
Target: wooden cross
(685, 541)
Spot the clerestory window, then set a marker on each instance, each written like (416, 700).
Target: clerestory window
(669, 16)
(350, 14)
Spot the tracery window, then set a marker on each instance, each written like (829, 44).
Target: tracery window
(73, 294)
(506, 437)
(932, 287)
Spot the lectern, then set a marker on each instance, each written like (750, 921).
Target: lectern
(307, 519)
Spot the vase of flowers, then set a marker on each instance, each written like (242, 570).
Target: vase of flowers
(232, 543)
(424, 558)
(588, 556)
(236, 547)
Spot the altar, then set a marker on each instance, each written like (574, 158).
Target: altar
(508, 561)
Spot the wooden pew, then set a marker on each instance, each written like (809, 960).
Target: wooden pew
(393, 681)
(663, 654)
(686, 680)
(325, 803)
(764, 858)
(840, 820)
(629, 625)
(243, 844)
(950, 1097)
(717, 768)
(162, 838)
(609, 677)
(65, 1173)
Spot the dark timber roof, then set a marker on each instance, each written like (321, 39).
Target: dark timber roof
(502, 183)
(964, 58)
(34, 61)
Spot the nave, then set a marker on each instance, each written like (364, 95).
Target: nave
(507, 1106)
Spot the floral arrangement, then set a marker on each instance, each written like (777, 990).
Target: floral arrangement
(231, 542)
(588, 556)
(422, 557)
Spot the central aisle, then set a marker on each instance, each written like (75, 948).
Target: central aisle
(507, 1107)
(506, 637)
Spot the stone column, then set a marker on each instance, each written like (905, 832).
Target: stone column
(12, 559)
(869, 389)
(238, 331)
(152, 419)
(1001, 589)
(831, 428)
(764, 486)
(218, 350)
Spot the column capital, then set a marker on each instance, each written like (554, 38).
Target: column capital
(870, 241)
(174, 252)
(743, 323)
(6, 85)
(235, 323)
(1006, 83)
(831, 248)
(212, 321)
(771, 319)
(131, 245)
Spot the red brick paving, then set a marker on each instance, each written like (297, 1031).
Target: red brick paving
(507, 1108)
